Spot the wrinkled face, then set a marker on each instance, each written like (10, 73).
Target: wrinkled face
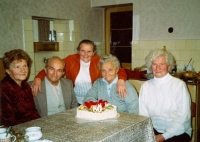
(109, 71)
(18, 71)
(86, 52)
(54, 71)
(160, 67)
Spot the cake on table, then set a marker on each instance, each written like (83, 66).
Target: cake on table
(99, 110)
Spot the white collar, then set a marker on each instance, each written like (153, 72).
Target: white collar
(162, 78)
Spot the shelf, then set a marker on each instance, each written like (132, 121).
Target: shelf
(46, 46)
(119, 46)
(121, 29)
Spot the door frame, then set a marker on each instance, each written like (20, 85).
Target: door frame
(107, 22)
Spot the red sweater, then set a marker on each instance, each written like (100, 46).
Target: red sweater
(16, 103)
(73, 66)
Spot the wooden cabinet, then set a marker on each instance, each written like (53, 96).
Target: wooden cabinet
(194, 89)
(118, 33)
(46, 46)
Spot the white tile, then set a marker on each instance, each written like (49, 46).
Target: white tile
(152, 45)
(144, 44)
(135, 45)
(139, 54)
(60, 28)
(28, 25)
(29, 46)
(71, 46)
(185, 56)
(180, 45)
(76, 27)
(133, 56)
(197, 66)
(39, 66)
(32, 70)
(176, 54)
(170, 45)
(198, 44)
(161, 44)
(195, 55)
(77, 36)
(191, 44)
(62, 45)
(28, 35)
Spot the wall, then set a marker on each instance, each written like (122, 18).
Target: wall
(151, 20)
(79, 21)
(12, 14)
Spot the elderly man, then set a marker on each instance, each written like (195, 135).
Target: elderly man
(58, 93)
(166, 100)
(104, 88)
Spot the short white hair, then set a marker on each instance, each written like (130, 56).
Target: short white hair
(109, 58)
(157, 53)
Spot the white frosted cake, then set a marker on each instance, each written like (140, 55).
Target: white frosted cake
(96, 110)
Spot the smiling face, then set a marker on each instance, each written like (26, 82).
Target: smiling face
(109, 71)
(18, 71)
(54, 70)
(160, 67)
(86, 52)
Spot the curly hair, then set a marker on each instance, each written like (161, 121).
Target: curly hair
(159, 52)
(86, 41)
(15, 55)
(109, 58)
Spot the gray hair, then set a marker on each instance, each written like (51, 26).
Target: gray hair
(109, 58)
(54, 57)
(160, 52)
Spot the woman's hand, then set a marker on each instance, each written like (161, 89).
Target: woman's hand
(121, 88)
(160, 138)
(36, 86)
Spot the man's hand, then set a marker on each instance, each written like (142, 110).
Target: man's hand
(121, 88)
(36, 86)
(160, 138)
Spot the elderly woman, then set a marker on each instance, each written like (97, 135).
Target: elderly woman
(16, 99)
(104, 88)
(166, 100)
(82, 69)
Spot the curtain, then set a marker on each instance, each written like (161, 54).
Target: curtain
(43, 29)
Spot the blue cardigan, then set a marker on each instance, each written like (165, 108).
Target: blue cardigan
(128, 104)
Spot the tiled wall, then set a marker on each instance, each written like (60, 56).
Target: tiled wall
(183, 51)
(151, 20)
(68, 36)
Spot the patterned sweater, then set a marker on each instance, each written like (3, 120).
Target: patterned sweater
(167, 101)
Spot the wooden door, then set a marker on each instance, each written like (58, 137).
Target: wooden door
(118, 33)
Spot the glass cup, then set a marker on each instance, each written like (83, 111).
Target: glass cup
(8, 138)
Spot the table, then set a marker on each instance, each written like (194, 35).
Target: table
(63, 127)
